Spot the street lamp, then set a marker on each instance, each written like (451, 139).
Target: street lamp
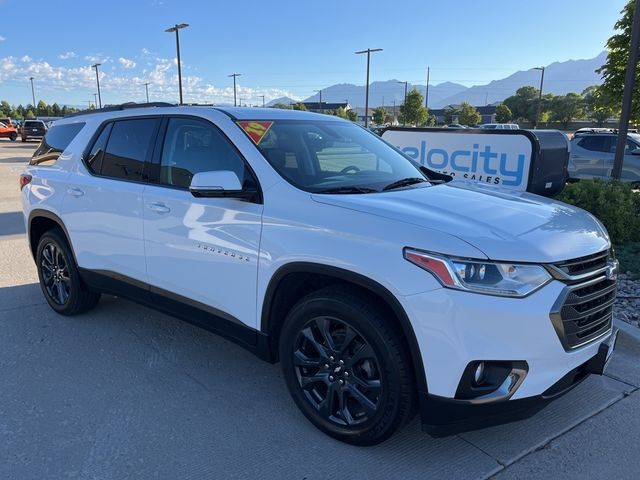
(146, 89)
(175, 28)
(234, 75)
(320, 99)
(98, 82)
(33, 94)
(539, 95)
(95, 99)
(262, 100)
(426, 93)
(366, 95)
(404, 117)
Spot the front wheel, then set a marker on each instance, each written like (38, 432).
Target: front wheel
(346, 366)
(59, 277)
(13, 137)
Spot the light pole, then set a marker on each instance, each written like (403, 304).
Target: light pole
(234, 75)
(320, 102)
(539, 95)
(95, 99)
(95, 66)
(404, 117)
(146, 89)
(262, 100)
(426, 93)
(366, 95)
(33, 94)
(627, 94)
(176, 28)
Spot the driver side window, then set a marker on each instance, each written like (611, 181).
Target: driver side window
(192, 146)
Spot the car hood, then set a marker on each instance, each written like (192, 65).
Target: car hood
(504, 225)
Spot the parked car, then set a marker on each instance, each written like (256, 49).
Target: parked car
(455, 125)
(592, 153)
(499, 126)
(33, 129)
(8, 131)
(380, 288)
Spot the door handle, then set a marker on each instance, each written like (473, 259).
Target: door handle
(75, 191)
(158, 207)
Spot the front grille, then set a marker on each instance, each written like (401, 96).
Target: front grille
(583, 312)
(584, 265)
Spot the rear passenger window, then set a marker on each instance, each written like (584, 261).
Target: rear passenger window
(595, 143)
(54, 143)
(128, 147)
(94, 159)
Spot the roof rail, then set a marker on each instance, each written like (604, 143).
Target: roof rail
(123, 106)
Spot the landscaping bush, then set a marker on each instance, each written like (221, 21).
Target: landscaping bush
(615, 204)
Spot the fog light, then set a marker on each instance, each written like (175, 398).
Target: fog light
(478, 375)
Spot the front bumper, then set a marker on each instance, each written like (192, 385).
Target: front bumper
(445, 416)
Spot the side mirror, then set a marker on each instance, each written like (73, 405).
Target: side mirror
(221, 183)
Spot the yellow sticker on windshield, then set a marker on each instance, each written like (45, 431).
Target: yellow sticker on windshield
(255, 130)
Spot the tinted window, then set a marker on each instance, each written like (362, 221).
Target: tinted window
(128, 147)
(595, 143)
(94, 158)
(34, 124)
(55, 141)
(193, 146)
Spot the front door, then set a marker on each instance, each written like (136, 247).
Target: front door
(202, 252)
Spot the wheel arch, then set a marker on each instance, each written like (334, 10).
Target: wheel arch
(305, 277)
(41, 221)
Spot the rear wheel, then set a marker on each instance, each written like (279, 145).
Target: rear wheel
(59, 277)
(345, 366)
(13, 136)
(24, 139)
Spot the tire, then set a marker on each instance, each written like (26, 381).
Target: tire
(13, 137)
(359, 385)
(24, 139)
(59, 277)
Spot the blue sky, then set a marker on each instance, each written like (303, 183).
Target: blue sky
(281, 48)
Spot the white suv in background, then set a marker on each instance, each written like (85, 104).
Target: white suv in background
(382, 289)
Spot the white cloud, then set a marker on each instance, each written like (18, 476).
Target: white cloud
(122, 86)
(126, 63)
(67, 55)
(2, 39)
(26, 59)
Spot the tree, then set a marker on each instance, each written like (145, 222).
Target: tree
(565, 108)
(352, 115)
(413, 111)
(300, 106)
(450, 112)
(41, 109)
(378, 115)
(613, 71)
(524, 103)
(468, 115)
(282, 106)
(5, 108)
(597, 105)
(503, 114)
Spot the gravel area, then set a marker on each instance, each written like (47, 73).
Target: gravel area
(627, 306)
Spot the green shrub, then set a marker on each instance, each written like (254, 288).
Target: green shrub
(615, 204)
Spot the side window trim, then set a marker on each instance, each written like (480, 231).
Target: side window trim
(154, 177)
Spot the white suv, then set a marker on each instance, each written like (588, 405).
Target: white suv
(382, 289)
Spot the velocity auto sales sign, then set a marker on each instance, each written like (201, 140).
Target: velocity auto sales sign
(490, 158)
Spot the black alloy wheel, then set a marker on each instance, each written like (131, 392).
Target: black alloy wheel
(346, 365)
(338, 371)
(55, 274)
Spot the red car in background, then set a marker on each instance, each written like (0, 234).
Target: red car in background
(8, 131)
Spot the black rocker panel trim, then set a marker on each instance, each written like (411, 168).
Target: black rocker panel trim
(191, 311)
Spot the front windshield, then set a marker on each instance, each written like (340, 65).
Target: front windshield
(336, 157)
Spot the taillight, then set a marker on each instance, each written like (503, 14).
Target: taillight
(24, 180)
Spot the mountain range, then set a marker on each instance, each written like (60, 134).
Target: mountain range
(559, 78)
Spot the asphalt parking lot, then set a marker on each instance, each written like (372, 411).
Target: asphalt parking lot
(125, 392)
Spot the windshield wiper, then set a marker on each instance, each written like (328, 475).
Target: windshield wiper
(405, 182)
(347, 190)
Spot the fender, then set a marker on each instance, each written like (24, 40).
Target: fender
(42, 213)
(362, 281)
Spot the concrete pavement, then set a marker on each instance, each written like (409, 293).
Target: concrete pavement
(126, 392)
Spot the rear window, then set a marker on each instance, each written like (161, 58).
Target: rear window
(595, 143)
(55, 142)
(33, 123)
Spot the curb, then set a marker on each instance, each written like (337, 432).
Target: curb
(628, 329)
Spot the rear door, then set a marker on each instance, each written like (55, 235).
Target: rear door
(589, 154)
(103, 209)
(201, 251)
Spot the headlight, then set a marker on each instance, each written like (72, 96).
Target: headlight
(491, 278)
